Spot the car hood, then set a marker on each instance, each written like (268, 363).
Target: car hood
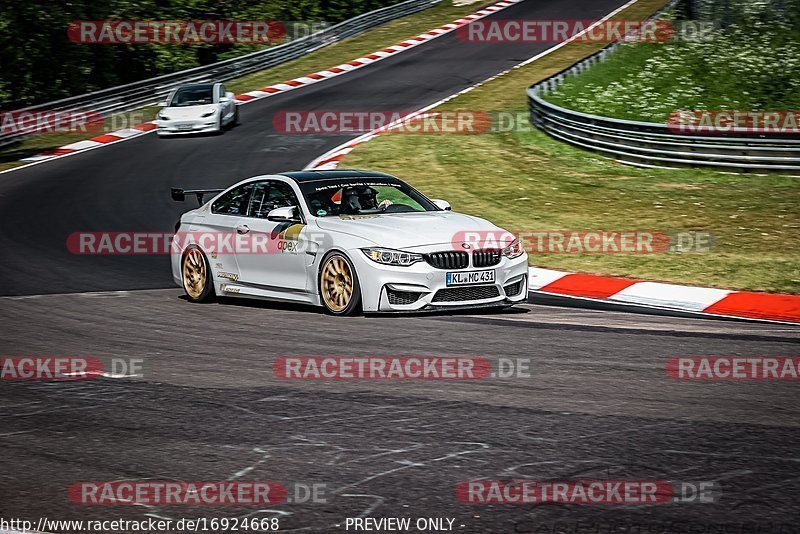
(407, 230)
(188, 112)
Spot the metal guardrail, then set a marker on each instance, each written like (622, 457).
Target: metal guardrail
(146, 92)
(649, 144)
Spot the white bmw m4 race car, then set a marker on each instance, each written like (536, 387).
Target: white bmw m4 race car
(351, 241)
(197, 108)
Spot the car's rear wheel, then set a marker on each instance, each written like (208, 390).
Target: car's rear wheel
(196, 274)
(339, 289)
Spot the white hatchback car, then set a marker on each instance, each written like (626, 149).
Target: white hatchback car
(197, 108)
(347, 240)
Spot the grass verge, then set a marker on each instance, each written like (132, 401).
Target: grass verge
(524, 180)
(368, 42)
(648, 81)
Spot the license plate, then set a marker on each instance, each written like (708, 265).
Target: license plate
(470, 278)
(185, 126)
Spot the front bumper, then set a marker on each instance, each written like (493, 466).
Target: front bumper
(422, 287)
(178, 127)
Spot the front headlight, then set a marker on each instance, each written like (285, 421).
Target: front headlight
(163, 117)
(387, 256)
(204, 115)
(514, 250)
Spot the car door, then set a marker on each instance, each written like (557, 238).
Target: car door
(213, 230)
(283, 265)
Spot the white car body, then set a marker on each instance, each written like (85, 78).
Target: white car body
(293, 273)
(211, 116)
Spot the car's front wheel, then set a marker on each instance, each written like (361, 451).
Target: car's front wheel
(339, 289)
(196, 274)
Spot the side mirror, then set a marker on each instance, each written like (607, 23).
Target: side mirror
(287, 214)
(442, 204)
(229, 95)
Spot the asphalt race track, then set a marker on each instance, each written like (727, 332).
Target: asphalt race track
(597, 403)
(125, 187)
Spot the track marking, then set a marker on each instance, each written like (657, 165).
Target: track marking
(332, 158)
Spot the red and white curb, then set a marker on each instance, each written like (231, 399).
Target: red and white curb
(620, 291)
(94, 142)
(375, 56)
(289, 85)
(673, 297)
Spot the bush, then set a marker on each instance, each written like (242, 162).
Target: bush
(39, 62)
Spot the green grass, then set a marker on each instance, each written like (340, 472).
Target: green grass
(756, 67)
(528, 181)
(375, 39)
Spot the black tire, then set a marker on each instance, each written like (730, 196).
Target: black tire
(203, 292)
(353, 305)
(236, 120)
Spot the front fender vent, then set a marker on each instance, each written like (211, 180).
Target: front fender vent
(402, 298)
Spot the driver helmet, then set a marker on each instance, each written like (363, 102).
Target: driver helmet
(360, 197)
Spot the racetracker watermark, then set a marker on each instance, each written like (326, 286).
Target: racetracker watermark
(150, 525)
(177, 32)
(709, 122)
(354, 121)
(25, 122)
(586, 492)
(399, 368)
(67, 368)
(734, 368)
(222, 243)
(586, 242)
(177, 493)
(336, 122)
(475, 122)
(558, 31)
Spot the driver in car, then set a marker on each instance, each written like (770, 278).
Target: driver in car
(361, 198)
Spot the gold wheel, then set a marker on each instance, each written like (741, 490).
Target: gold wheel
(337, 284)
(195, 275)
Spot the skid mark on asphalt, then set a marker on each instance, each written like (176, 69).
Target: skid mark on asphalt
(616, 322)
(383, 455)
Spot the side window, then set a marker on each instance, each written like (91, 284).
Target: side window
(282, 195)
(234, 202)
(270, 195)
(259, 207)
(221, 91)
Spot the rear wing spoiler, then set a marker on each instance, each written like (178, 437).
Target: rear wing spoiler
(179, 195)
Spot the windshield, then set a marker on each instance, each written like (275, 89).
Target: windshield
(192, 96)
(360, 196)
